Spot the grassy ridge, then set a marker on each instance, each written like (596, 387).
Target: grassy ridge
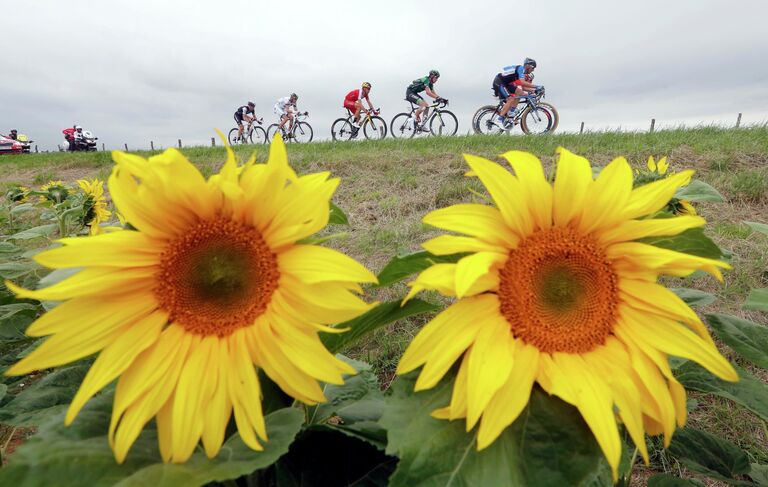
(387, 187)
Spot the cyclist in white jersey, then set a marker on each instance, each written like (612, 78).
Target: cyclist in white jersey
(286, 108)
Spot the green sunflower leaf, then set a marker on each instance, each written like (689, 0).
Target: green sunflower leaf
(379, 316)
(667, 480)
(748, 339)
(748, 391)
(79, 455)
(353, 408)
(757, 299)
(759, 473)
(699, 191)
(758, 227)
(694, 297)
(35, 232)
(549, 444)
(692, 241)
(41, 398)
(710, 455)
(403, 266)
(338, 217)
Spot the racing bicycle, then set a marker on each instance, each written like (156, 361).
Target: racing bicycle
(372, 126)
(533, 116)
(436, 122)
(252, 133)
(300, 132)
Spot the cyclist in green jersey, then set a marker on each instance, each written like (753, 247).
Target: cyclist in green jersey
(426, 84)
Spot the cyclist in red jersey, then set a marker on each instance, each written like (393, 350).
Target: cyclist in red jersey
(354, 103)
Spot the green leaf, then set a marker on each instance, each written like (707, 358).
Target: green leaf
(3, 390)
(692, 241)
(748, 339)
(35, 232)
(9, 248)
(549, 444)
(13, 270)
(748, 391)
(337, 217)
(379, 316)
(694, 297)
(759, 474)
(710, 455)
(667, 480)
(758, 227)
(401, 267)
(12, 328)
(22, 208)
(8, 310)
(79, 455)
(699, 191)
(757, 299)
(47, 397)
(354, 407)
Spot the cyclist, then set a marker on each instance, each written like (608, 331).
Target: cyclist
(247, 113)
(354, 103)
(286, 108)
(426, 84)
(513, 80)
(13, 135)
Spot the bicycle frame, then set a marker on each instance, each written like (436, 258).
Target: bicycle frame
(366, 118)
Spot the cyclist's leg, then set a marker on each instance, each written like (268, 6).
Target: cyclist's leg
(505, 96)
(515, 101)
(239, 122)
(420, 110)
(416, 100)
(358, 108)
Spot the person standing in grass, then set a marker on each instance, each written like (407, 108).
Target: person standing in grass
(426, 84)
(354, 103)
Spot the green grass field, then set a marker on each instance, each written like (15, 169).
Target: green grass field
(387, 186)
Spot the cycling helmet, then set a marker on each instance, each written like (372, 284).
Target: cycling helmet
(434, 72)
(13, 131)
(251, 104)
(530, 61)
(78, 128)
(294, 95)
(366, 85)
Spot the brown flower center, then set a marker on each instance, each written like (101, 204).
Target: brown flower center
(218, 277)
(558, 292)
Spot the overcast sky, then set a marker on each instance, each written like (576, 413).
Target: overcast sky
(138, 70)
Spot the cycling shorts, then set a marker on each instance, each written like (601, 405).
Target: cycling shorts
(413, 97)
(501, 89)
(350, 105)
(238, 117)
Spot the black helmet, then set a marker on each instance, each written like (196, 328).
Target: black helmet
(251, 104)
(13, 131)
(434, 72)
(529, 61)
(294, 95)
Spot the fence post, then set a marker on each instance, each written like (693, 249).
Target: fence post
(738, 120)
(213, 141)
(152, 144)
(126, 147)
(102, 147)
(179, 143)
(653, 124)
(35, 148)
(581, 130)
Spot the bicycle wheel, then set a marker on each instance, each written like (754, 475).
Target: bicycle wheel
(476, 117)
(258, 136)
(376, 128)
(536, 120)
(485, 122)
(271, 131)
(402, 126)
(302, 132)
(555, 115)
(443, 123)
(341, 129)
(232, 137)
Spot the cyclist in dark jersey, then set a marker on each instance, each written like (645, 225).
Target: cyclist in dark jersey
(425, 84)
(513, 80)
(247, 113)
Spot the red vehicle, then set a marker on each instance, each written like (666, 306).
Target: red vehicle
(10, 146)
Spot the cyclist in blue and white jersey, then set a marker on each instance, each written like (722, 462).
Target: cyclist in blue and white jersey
(513, 80)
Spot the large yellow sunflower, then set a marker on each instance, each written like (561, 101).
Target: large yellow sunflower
(210, 286)
(557, 291)
(95, 205)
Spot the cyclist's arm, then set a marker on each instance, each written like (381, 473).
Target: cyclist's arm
(431, 93)
(370, 105)
(526, 85)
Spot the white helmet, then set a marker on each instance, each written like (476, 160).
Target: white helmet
(78, 128)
